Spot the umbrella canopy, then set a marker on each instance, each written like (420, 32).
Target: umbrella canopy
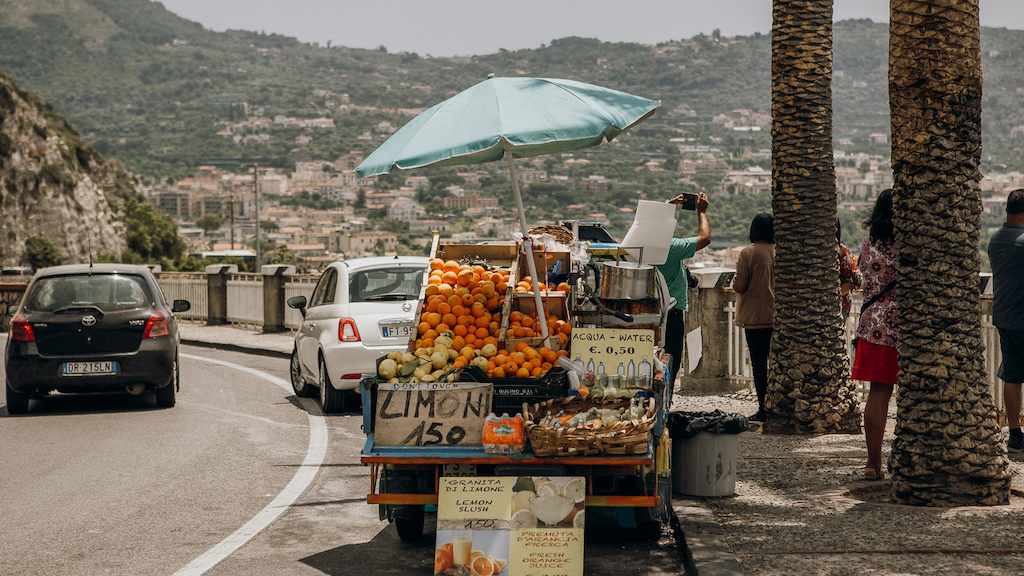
(510, 118)
(533, 116)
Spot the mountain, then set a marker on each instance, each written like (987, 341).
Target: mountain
(160, 92)
(54, 184)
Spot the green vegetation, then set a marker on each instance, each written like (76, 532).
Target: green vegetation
(41, 252)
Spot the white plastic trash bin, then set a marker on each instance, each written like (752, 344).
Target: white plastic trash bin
(705, 465)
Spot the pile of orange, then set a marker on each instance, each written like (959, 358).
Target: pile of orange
(526, 285)
(524, 362)
(527, 326)
(464, 300)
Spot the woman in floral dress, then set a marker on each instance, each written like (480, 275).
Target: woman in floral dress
(876, 360)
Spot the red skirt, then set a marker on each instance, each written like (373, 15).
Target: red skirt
(875, 363)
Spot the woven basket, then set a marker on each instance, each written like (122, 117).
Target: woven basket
(622, 437)
(561, 233)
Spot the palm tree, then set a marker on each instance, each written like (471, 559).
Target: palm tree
(948, 449)
(809, 385)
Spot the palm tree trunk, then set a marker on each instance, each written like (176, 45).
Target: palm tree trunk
(809, 386)
(948, 449)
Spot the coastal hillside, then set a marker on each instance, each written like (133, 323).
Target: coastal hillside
(53, 184)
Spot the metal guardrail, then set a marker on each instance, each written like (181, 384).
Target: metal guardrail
(245, 295)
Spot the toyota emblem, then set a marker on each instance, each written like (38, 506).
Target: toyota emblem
(89, 320)
(406, 307)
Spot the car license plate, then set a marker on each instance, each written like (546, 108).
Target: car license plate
(459, 470)
(395, 330)
(88, 368)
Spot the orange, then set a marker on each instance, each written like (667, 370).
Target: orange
(443, 308)
(432, 318)
(500, 359)
(522, 373)
(490, 340)
(446, 289)
(563, 353)
(492, 304)
(566, 329)
(495, 277)
(467, 320)
(431, 305)
(450, 278)
(443, 327)
(563, 287)
(510, 367)
(479, 270)
(458, 342)
(526, 322)
(537, 371)
(448, 319)
(433, 280)
(531, 354)
(515, 316)
(422, 328)
(431, 290)
(518, 332)
(527, 366)
(499, 372)
(479, 310)
(470, 339)
(467, 352)
(454, 301)
(482, 333)
(450, 266)
(501, 288)
(460, 330)
(436, 263)
(528, 333)
(459, 309)
(465, 277)
(522, 346)
(562, 339)
(426, 342)
(494, 327)
(517, 357)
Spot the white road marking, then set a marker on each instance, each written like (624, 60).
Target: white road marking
(310, 465)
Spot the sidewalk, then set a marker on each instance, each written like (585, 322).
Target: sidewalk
(801, 506)
(249, 339)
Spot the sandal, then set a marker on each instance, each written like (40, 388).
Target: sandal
(873, 473)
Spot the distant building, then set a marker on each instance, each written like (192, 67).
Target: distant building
(473, 200)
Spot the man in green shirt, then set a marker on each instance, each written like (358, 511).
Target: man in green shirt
(674, 271)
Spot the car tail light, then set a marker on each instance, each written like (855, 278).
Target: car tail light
(21, 330)
(351, 377)
(157, 325)
(347, 331)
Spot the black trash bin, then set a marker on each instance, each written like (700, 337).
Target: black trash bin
(704, 446)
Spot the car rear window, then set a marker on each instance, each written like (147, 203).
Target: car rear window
(383, 284)
(108, 292)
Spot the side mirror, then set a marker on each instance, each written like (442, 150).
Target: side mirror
(181, 306)
(299, 303)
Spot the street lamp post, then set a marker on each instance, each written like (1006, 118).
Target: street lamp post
(256, 190)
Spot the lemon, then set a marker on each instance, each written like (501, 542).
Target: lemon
(577, 521)
(523, 519)
(575, 488)
(521, 500)
(548, 488)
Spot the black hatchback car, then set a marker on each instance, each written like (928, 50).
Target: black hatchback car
(88, 328)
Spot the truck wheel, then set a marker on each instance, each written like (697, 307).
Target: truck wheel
(17, 403)
(331, 400)
(410, 524)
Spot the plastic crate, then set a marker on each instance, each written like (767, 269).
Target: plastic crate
(511, 393)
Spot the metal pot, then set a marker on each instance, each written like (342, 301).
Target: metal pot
(627, 281)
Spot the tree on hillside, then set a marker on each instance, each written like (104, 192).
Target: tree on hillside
(948, 449)
(152, 236)
(42, 252)
(209, 222)
(809, 386)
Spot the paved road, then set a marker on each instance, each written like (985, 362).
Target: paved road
(239, 478)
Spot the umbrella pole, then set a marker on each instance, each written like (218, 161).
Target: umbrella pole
(542, 317)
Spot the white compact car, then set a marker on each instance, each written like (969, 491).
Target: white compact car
(360, 310)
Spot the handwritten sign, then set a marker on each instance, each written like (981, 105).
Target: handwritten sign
(546, 551)
(432, 414)
(476, 498)
(625, 352)
(511, 526)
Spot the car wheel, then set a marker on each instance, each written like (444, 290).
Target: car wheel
(165, 395)
(353, 401)
(299, 385)
(331, 400)
(17, 403)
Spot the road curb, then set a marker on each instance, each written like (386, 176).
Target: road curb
(702, 541)
(237, 348)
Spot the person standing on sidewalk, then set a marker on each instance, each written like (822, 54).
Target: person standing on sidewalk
(674, 271)
(1006, 252)
(876, 360)
(754, 284)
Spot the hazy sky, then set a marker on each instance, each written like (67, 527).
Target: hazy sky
(467, 27)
